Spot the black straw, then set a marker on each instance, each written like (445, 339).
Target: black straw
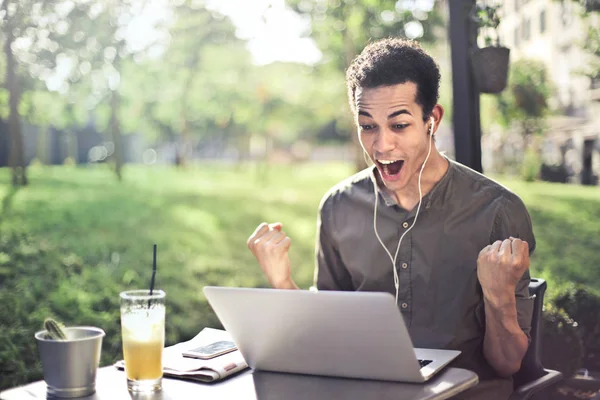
(153, 270)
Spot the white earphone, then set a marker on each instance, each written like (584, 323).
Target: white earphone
(395, 257)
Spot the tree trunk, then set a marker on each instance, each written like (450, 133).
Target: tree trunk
(349, 54)
(183, 145)
(16, 158)
(185, 139)
(115, 127)
(243, 149)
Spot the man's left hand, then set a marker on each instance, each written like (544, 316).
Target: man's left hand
(500, 266)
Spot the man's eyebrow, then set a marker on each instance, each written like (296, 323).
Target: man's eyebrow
(396, 113)
(392, 115)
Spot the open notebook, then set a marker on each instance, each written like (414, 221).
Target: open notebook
(177, 366)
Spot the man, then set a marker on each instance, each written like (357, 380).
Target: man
(459, 273)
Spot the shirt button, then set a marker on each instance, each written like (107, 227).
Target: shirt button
(404, 305)
(405, 225)
(404, 265)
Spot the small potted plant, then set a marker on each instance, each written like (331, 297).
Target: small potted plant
(70, 358)
(490, 63)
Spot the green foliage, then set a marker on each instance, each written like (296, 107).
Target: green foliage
(562, 349)
(75, 238)
(40, 29)
(583, 307)
(591, 45)
(341, 29)
(29, 272)
(524, 105)
(530, 87)
(526, 100)
(572, 330)
(486, 16)
(194, 79)
(530, 168)
(201, 69)
(564, 219)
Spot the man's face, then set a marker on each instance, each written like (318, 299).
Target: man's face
(392, 132)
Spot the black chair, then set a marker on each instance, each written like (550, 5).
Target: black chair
(533, 377)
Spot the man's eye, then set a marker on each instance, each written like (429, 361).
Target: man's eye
(366, 127)
(400, 126)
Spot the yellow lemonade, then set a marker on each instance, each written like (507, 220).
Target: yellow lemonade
(143, 359)
(143, 341)
(143, 333)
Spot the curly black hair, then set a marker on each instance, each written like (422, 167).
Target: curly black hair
(392, 61)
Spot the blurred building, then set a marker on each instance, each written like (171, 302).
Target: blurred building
(554, 32)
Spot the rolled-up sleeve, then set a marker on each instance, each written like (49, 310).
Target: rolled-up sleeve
(330, 271)
(513, 220)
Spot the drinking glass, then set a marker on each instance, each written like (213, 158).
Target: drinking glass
(143, 333)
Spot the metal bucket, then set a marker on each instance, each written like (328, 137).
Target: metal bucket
(70, 366)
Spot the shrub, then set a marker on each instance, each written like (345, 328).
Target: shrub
(562, 349)
(583, 307)
(530, 168)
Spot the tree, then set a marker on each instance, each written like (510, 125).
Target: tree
(19, 22)
(199, 84)
(588, 12)
(195, 32)
(526, 100)
(592, 45)
(112, 53)
(31, 31)
(525, 103)
(342, 28)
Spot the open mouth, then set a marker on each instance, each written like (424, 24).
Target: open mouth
(390, 168)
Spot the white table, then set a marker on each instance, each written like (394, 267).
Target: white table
(260, 385)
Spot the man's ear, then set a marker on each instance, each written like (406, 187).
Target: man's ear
(436, 115)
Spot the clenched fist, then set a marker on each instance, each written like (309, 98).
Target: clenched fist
(500, 266)
(270, 246)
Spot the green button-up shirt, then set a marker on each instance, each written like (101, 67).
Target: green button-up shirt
(439, 294)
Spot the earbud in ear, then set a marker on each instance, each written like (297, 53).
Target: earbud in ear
(431, 126)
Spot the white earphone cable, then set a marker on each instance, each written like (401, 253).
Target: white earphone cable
(395, 257)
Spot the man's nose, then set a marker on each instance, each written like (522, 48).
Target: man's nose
(384, 142)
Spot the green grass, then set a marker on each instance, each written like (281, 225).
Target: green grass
(566, 223)
(75, 238)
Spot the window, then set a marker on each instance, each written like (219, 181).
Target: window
(543, 21)
(566, 11)
(526, 29)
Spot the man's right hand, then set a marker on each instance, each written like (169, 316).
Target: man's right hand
(270, 246)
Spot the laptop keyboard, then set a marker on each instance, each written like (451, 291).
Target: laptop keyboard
(424, 363)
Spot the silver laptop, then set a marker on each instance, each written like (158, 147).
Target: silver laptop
(344, 334)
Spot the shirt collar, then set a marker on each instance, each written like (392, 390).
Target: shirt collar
(435, 194)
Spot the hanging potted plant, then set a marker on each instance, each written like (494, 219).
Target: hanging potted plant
(490, 63)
